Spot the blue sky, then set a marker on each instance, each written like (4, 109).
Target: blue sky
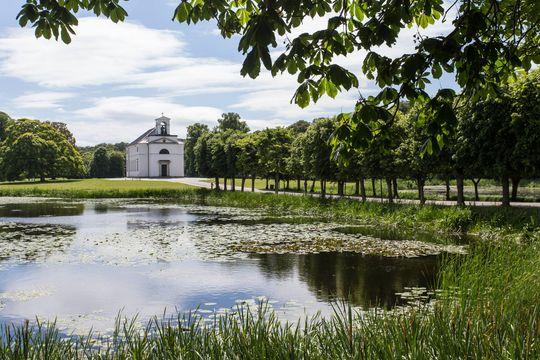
(113, 79)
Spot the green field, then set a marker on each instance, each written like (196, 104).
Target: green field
(92, 188)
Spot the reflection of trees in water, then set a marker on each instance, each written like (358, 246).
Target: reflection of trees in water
(276, 266)
(31, 242)
(364, 280)
(41, 209)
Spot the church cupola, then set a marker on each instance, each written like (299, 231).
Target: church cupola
(163, 126)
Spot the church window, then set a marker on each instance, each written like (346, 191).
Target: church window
(164, 151)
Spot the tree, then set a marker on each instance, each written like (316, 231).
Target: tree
(62, 128)
(381, 155)
(100, 166)
(487, 40)
(273, 149)
(248, 162)
(486, 141)
(4, 119)
(203, 157)
(411, 161)
(318, 147)
(194, 131)
(298, 127)
(36, 149)
(117, 164)
(525, 122)
(232, 150)
(231, 121)
(296, 162)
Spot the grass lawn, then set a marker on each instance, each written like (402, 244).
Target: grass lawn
(91, 188)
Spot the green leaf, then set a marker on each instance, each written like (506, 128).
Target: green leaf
(65, 35)
(331, 89)
(243, 16)
(302, 97)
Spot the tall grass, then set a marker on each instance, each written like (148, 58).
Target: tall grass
(489, 308)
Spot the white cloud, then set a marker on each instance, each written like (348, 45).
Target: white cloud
(101, 53)
(123, 118)
(41, 100)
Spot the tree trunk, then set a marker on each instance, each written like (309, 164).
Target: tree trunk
(42, 178)
(253, 177)
(312, 186)
(276, 184)
(447, 183)
(233, 183)
(243, 183)
(340, 188)
(323, 190)
(475, 183)
(505, 191)
(363, 190)
(298, 184)
(305, 186)
(373, 187)
(225, 184)
(390, 192)
(460, 197)
(288, 184)
(396, 192)
(357, 188)
(515, 185)
(266, 186)
(217, 182)
(420, 183)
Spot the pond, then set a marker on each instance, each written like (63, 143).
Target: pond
(82, 262)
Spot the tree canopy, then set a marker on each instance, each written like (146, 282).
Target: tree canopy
(232, 121)
(34, 149)
(486, 42)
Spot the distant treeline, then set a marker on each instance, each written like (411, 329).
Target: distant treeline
(33, 149)
(495, 138)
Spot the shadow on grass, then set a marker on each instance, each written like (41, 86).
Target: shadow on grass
(37, 182)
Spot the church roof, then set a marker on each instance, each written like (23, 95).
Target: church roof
(144, 135)
(151, 132)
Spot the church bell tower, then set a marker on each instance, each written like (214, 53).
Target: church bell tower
(163, 126)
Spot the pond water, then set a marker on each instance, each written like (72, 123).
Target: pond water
(81, 262)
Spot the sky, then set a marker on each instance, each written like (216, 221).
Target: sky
(113, 80)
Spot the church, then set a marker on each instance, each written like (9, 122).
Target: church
(156, 153)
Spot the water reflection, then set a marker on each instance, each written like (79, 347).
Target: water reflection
(37, 209)
(363, 280)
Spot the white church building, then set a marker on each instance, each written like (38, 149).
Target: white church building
(156, 153)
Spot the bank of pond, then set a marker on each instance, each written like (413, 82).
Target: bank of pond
(222, 275)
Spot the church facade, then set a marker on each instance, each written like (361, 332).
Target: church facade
(156, 153)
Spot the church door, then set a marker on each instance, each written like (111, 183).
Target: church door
(164, 170)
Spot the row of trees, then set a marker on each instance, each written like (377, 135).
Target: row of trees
(496, 138)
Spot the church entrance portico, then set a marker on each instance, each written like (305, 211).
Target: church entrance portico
(164, 168)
